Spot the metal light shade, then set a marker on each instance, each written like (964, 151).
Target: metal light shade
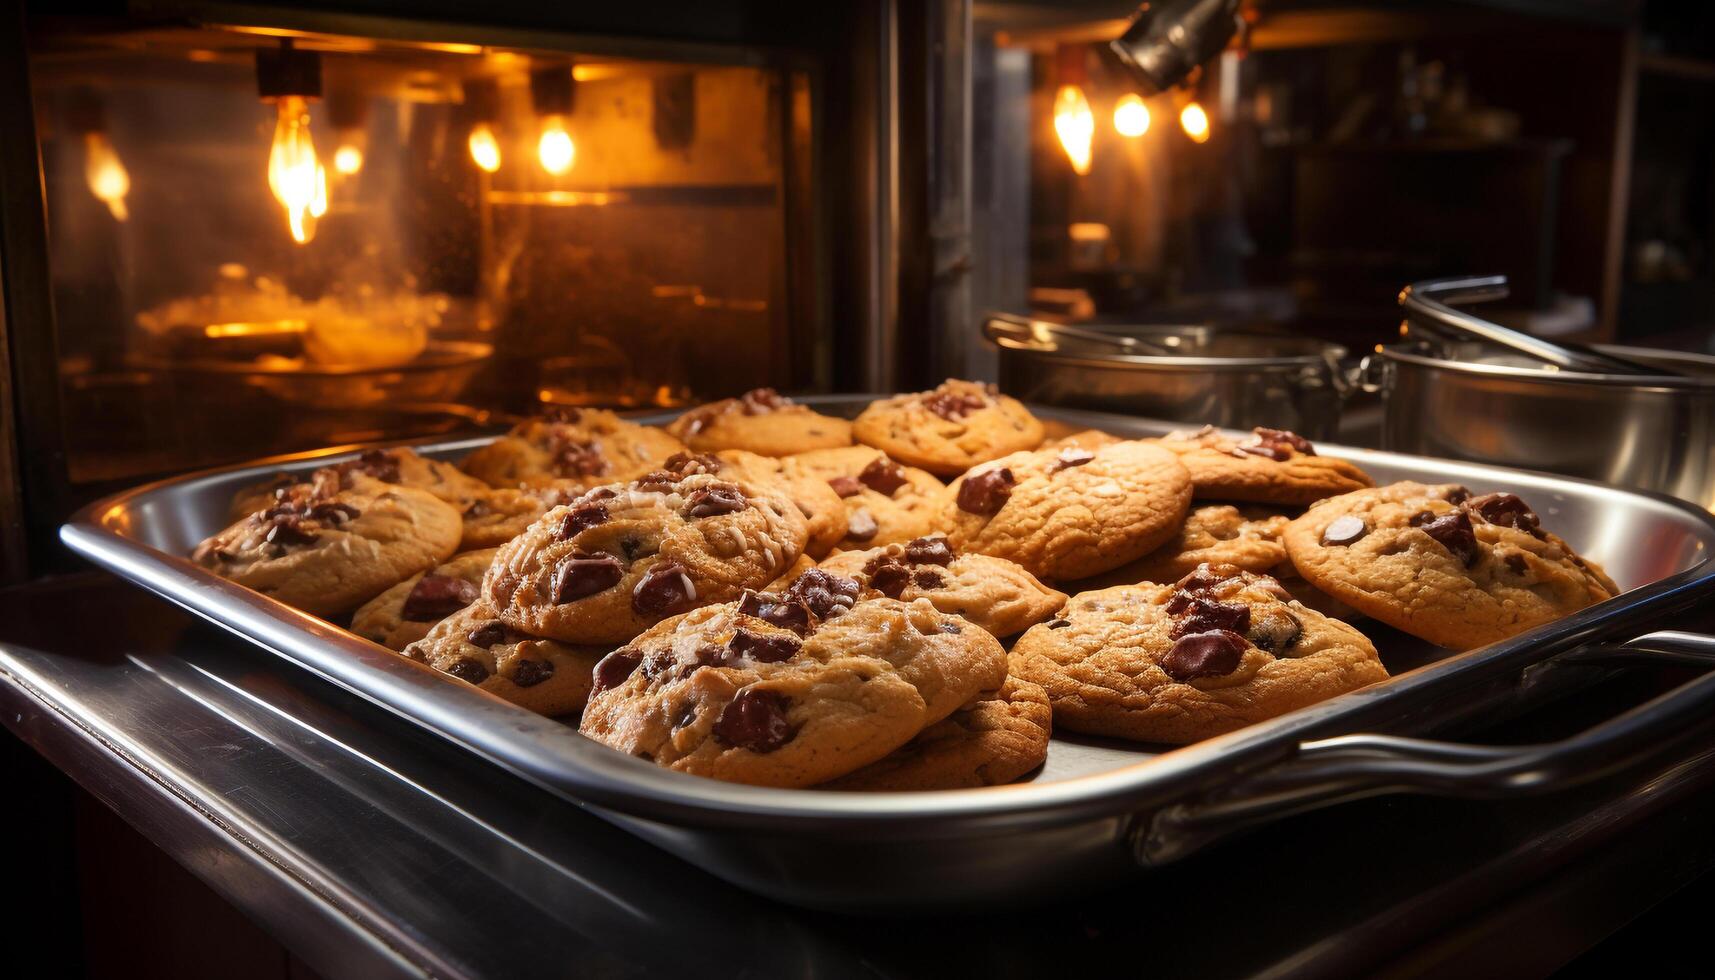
(1167, 40)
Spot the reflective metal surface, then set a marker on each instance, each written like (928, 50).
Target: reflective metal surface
(1220, 377)
(1072, 828)
(1648, 433)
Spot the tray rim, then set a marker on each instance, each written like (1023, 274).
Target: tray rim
(555, 757)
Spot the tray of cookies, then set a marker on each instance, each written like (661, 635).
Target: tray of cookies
(939, 647)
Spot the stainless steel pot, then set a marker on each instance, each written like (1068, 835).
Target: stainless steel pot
(1650, 432)
(1193, 374)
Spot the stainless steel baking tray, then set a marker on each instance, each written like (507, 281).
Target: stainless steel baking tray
(1099, 809)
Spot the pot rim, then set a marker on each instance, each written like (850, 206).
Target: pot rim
(1324, 358)
(1643, 382)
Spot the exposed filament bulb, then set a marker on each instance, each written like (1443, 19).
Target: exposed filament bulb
(484, 148)
(295, 176)
(107, 178)
(555, 148)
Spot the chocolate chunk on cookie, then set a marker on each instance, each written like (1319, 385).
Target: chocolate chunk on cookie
(995, 594)
(544, 676)
(884, 502)
(407, 612)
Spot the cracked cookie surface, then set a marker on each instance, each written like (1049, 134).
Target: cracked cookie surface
(949, 429)
(789, 689)
(1069, 513)
(1218, 650)
(1457, 570)
(622, 557)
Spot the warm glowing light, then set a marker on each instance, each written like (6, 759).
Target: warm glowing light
(1195, 122)
(348, 159)
(295, 176)
(1131, 116)
(555, 149)
(484, 148)
(1075, 126)
(107, 178)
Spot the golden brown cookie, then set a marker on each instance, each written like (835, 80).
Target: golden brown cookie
(1217, 534)
(792, 689)
(605, 567)
(586, 445)
(1069, 513)
(992, 593)
(406, 612)
(540, 675)
(760, 421)
(950, 429)
(332, 544)
(399, 465)
(1269, 467)
(1434, 561)
(884, 501)
(1219, 650)
(990, 742)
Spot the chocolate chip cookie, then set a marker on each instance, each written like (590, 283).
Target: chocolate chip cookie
(992, 593)
(406, 612)
(760, 421)
(398, 465)
(1218, 534)
(1069, 513)
(1218, 650)
(586, 445)
(332, 544)
(1457, 570)
(622, 557)
(824, 514)
(884, 501)
(950, 429)
(1271, 466)
(543, 676)
(789, 689)
(992, 741)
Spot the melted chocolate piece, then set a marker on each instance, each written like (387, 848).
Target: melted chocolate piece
(755, 720)
(883, 475)
(665, 588)
(1454, 532)
(375, 463)
(1285, 438)
(585, 575)
(846, 486)
(468, 669)
(1058, 624)
(827, 595)
(1276, 631)
(635, 547)
(986, 492)
(1212, 654)
(612, 670)
(437, 597)
(658, 481)
(1457, 495)
(1344, 530)
(579, 459)
(761, 401)
(929, 551)
(486, 635)
(715, 499)
(928, 578)
(580, 518)
(767, 648)
(861, 526)
(1203, 578)
(287, 531)
(1517, 563)
(1507, 510)
(1200, 615)
(686, 716)
(687, 463)
(888, 576)
(786, 612)
(1069, 458)
(529, 673)
(334, 513)
(1268, 450)
(950, 406)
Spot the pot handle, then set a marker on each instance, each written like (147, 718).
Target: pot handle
(1326, 771)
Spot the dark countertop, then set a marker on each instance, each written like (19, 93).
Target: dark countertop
(368, 847)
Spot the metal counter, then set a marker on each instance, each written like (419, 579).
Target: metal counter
(367, 849)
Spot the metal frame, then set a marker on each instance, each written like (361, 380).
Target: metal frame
(1159, 808)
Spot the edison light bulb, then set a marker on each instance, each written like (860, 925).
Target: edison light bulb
(107, 178)
(555, 148)
(484, 148)
(1195, 122)
(1075, 126)
(1131, 116)
(294, 174)
(348, 159)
